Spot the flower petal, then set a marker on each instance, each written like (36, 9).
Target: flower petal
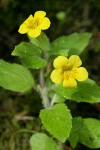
(34, 32)
(29, 19)
(39, 14)
(56, 76)
(45, 24)
(81, 74)
(60, 62)
(74, 61)
(23, 29)
(71, 82)
(24, 26)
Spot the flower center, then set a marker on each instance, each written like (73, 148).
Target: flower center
(67, 69)
(33, 24)
(69, 74)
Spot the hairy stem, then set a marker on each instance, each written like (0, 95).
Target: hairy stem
(43, 90)
(60, 145)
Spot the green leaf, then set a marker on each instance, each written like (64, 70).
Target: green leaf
(73, 139)
(89, 134)
(15, 77)
(74, 43)
(87, 91)
(26, 50)
(57, 121)
(34, 62)
(77, 123)
(41, 141)
(42, 41)
(34, 41)
(30, 55)
(56, 52)
(57, 98)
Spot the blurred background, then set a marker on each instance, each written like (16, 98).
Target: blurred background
(67, 16)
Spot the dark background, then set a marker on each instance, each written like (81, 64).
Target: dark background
(79, 16)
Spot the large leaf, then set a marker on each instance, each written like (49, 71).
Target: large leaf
(57, 121)
(15, 77)
(85, 131)
(89, 134)
(74, 43)
(87, 91)
(41, 141)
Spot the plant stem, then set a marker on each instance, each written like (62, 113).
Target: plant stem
(43, 90)
(60, 145)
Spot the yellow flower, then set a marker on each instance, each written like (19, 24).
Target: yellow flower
(34, 25)
(67, 71)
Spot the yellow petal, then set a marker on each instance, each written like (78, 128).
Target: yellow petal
(39, 14)
(34, 32)
(56, 76)
(45, 23)
(81, 74)
(23, 29)
(24, 26)
(74, 61)
(30, 18)
(70, 83)
(60, 62)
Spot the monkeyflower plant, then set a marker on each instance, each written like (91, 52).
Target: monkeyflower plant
(59, 77)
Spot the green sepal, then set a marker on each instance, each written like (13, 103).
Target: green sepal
(41, 41)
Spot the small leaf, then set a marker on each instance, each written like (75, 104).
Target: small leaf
(57, 121)
(34, 62)
(73, 139)
(87, 91)
(26, 50)
(41, 141)
(75, 43)
(30, 55)
(77, 123)
(15, 77)
(89, 134)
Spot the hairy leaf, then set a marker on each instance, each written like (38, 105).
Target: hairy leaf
(41, 141)
(89, 134)
(15, 77)
(74, 43)
(57, 121)
(87, 91)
